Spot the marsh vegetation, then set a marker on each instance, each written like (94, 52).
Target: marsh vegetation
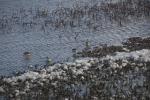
(102, 72)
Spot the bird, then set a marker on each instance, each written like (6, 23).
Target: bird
(27, 55)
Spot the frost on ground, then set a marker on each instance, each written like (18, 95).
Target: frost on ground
(122, 76)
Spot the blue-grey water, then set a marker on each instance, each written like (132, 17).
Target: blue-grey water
(55, 44)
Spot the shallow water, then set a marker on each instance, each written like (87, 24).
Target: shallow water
(49, 44)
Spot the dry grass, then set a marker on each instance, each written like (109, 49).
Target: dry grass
(89, 17)
(132, 44)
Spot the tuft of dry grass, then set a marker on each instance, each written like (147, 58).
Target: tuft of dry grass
(137, 43)
(132, 44)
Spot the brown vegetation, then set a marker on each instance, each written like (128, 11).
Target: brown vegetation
(132, 44)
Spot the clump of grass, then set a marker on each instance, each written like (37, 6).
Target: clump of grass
(100, 51)
(137, 43)
(131, 44)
